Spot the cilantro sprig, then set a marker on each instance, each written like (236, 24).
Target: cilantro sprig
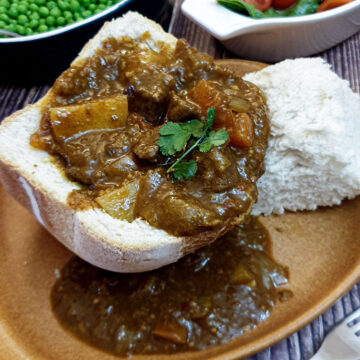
(174, 137)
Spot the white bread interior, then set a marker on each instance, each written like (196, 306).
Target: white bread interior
(313, 158)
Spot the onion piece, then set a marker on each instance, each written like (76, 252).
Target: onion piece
(239, 105)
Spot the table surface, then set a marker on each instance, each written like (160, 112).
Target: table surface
(345, 60)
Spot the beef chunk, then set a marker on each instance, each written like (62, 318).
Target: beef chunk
(181, 109)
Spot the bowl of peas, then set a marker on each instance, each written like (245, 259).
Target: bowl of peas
(39, 38)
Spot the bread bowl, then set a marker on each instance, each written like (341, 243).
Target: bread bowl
(35, 180)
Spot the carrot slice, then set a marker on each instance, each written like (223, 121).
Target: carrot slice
(331, 4)
(238, 124)
(242, 132)
(175, 333)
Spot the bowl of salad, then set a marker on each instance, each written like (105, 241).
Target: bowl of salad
(49, 34)
(273, 30)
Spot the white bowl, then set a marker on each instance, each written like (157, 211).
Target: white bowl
(275, 39)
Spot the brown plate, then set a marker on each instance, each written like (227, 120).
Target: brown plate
(321, 249)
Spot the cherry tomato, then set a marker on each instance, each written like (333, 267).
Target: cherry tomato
(261, 5)
(282, 4)
(330, 4)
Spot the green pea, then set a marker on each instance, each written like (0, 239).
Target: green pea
(5, 18)
(4, 3)
(44, 11)
(69, 21)
(23, 19)
(11, 27)
(40, 2)
(74, 6)
(92, 7)
(51, 5)
(42, 22)
(13, 12)
(3, 10)
(55, 12)
(63, 5)
(20, 29)
(34, 16)
(33, 7)
(78, 17)
(68, 15)
(50, 21)
(61, 21)
(33, 24)
(102, 7)
(43, 28)
(3, 24)
(22, 9)
(29, 31)
(12, 21)
(86, 13)
(102, 2)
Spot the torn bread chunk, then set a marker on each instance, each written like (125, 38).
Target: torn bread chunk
(313, 158)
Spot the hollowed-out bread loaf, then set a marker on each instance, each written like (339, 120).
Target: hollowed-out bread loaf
(31, 177)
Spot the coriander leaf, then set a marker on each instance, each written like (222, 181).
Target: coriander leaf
(215, 138)
(210, 117)
(173, 138)
(194, 127)
(170, 128)
(184, 169)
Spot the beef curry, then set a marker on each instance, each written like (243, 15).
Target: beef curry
(102, 121)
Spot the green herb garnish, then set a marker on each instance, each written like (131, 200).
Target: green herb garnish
(184, 169)
(174, 137)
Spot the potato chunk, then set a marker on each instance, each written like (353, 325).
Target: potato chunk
(101, 113)
(242, 276)
(120, 203)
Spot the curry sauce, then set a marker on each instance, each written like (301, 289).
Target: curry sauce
(207, 298)
(102, 120)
